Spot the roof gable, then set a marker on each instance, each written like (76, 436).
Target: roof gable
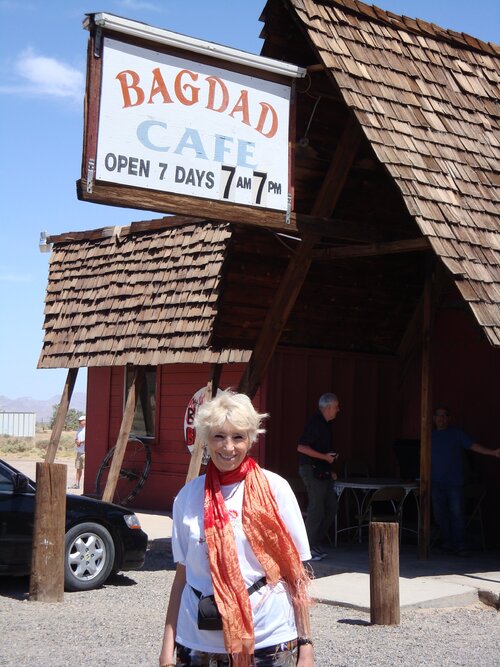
(427, 100)
(135, 297)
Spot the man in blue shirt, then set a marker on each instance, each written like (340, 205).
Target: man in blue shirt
(448, 478)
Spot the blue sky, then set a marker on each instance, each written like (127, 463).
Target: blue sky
(42, 78)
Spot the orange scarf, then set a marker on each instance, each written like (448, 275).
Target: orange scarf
(271, 543)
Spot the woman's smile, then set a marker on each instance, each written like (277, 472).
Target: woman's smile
(227, 447)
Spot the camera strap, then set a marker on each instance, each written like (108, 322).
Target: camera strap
(254, 587)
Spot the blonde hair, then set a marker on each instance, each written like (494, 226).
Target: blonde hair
(229, 406)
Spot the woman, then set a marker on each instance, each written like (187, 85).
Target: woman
(238, 535)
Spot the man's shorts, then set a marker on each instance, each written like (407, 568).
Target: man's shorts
(80, 461)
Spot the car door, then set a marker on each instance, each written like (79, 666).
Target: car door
(16, 525)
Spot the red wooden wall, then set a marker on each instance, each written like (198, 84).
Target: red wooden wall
(170, 457)
(465, 374)
(376, 408)
(363, 428)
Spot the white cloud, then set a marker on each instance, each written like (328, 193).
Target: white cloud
(45, 77)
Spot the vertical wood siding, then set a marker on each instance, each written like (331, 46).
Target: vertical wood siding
(296, 381)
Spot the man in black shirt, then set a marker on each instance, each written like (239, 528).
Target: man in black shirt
(316, 456)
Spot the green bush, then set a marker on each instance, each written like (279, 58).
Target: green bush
(71, 422)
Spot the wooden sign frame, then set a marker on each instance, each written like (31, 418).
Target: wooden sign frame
(234, 168)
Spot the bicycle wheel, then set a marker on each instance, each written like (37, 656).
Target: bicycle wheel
(133, 472)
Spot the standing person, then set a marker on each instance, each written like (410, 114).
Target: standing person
(316, 457)
(80, 450)
(238, 538)
(448, 477)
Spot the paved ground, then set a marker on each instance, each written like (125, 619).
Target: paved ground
(28, 467)
(121, 624)
(343, 577)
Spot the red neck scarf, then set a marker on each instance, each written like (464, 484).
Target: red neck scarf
(270, 541)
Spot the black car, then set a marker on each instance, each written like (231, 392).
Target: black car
(101, 538)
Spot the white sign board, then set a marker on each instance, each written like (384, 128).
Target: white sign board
(176, 125)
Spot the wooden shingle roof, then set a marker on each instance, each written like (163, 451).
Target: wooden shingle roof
(136, 297)
(428, 102)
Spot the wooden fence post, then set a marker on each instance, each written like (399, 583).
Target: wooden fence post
(384, 573)
(60, 418)
(125, 427)
(47, 560)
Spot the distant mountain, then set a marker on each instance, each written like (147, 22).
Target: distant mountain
(43, 409)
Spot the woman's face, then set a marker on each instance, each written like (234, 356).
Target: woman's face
(227, 447)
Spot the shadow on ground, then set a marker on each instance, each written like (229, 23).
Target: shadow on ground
(17, 588)
(354, 557)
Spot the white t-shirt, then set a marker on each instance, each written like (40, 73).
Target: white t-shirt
(80, 440)
(273, 616)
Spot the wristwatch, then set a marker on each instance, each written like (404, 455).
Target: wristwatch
(303, 641)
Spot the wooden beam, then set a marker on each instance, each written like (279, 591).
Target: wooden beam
(277, 316)
(300, 223)
(373, 249)
(91, 108)
(316, 67)
(60, 417)
(169, 222)
(343, 230)
(411, 342)
(112, 194)
(426, 413)
(199, 445)
(339, 168)
(47, 556)
(299, 264)
(123, 436)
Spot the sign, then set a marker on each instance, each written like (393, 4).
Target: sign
(189, 430)
(172, 124)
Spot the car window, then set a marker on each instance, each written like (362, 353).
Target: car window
(6, 485)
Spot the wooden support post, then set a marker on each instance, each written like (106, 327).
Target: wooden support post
(411, 343)
(197, 455)
(277, 316)
(60, 418)
(47, 558)
(426, 416)
(123, 436)
(384, 573)
(298, 267)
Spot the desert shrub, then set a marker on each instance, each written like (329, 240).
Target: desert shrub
(13, 445)
(36, 447)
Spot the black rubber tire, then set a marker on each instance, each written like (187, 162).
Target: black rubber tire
(89, 556)
(132, 477)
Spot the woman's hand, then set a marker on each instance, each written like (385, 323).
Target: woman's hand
(306, 656)
(168, 644)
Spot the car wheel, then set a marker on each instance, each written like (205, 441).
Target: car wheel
(89, 555)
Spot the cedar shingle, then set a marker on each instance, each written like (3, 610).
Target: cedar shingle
(101, 310)
(428, 102)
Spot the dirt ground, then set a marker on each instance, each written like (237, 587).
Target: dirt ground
(28, 467)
